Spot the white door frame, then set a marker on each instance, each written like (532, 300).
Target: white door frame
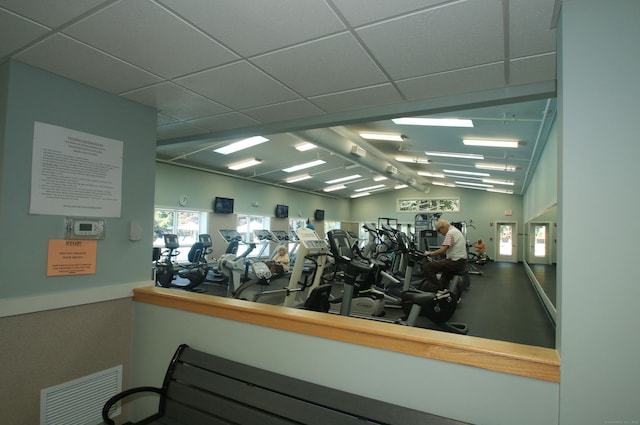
(513, 258)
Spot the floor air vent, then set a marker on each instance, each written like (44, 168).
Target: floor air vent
(79, 402)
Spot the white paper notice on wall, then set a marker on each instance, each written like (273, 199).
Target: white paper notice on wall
(75, 173)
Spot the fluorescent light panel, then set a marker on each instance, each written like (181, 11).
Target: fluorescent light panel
(443, 184)
(400, 186)
(336, 187)
(491, 143)
(438, 122)
(298, 178)
(492, 181)
(303, 147)
(496, 167)
(244, 164)
(498, 190)
(359, 195)
(430, 174)
(240, 145)
(391, 137)
(364, 189)
(379, 178)
(412, 159)
(467, 173)
(344, 179)
(456, 155)
(473, 184)
(303, 166)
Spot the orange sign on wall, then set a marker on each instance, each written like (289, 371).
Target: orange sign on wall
(69, 257)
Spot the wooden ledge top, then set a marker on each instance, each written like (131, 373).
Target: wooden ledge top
(500, 356)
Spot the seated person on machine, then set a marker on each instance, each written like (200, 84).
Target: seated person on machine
(280, 263)
(455, 249)
(481, 249)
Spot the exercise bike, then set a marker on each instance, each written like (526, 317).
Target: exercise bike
(167, 268)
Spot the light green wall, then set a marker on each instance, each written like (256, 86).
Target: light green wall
(482, 208)
(599, 149)
(201, 187)
(35, 95)
(542, 193)
(464, 393)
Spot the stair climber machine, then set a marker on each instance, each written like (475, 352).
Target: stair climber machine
(186, 276)
(357, 274)
(302, 288)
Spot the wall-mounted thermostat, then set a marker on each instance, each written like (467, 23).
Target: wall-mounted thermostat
(84, 228)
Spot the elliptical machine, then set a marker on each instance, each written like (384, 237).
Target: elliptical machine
(359, 296)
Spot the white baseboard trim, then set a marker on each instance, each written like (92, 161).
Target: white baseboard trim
(23, 305)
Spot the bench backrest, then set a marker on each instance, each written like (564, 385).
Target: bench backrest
(203, 389)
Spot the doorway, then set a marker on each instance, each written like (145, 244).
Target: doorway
(507, 238)
(540, 243)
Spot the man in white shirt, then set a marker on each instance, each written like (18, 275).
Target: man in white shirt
(455, 249)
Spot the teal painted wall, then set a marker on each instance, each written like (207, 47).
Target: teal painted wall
(34, 95)
(599, 148)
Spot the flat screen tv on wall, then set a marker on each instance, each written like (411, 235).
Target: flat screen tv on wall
(282, 211)
(223, 205)
(318, 215)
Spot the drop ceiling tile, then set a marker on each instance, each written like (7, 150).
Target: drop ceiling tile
(284, 111)
(530, 30)
(68, 58)
(163, 119)
(457, 36)
(150, 37)
(359, 12)
(452, 83)
(533, 69)
(332, 64)
(384, 94)
(238, 86)
(16, 32)
(178, 129)
(251, 27)
(176, 101)
(50, 13)
(224, 122)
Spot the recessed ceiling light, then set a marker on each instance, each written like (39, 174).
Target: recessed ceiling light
(242, 144)
(379, 178)
(400, 186)
(492, 181)
(436, 183)
(491, 143)
(336, 187)
(358, 195)
(365, 189)
(298, 178)
(467, 173)
(304, 166)
(496, 167)
(473, 184)
(437, 122)
(430, 174)
(244, 164)
(507, 191)
(456, 155)
(412, 159)
(392, 137)
(344, 179)
(303, 147)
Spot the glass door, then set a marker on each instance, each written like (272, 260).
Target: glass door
(539, 243)
(507, 238)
